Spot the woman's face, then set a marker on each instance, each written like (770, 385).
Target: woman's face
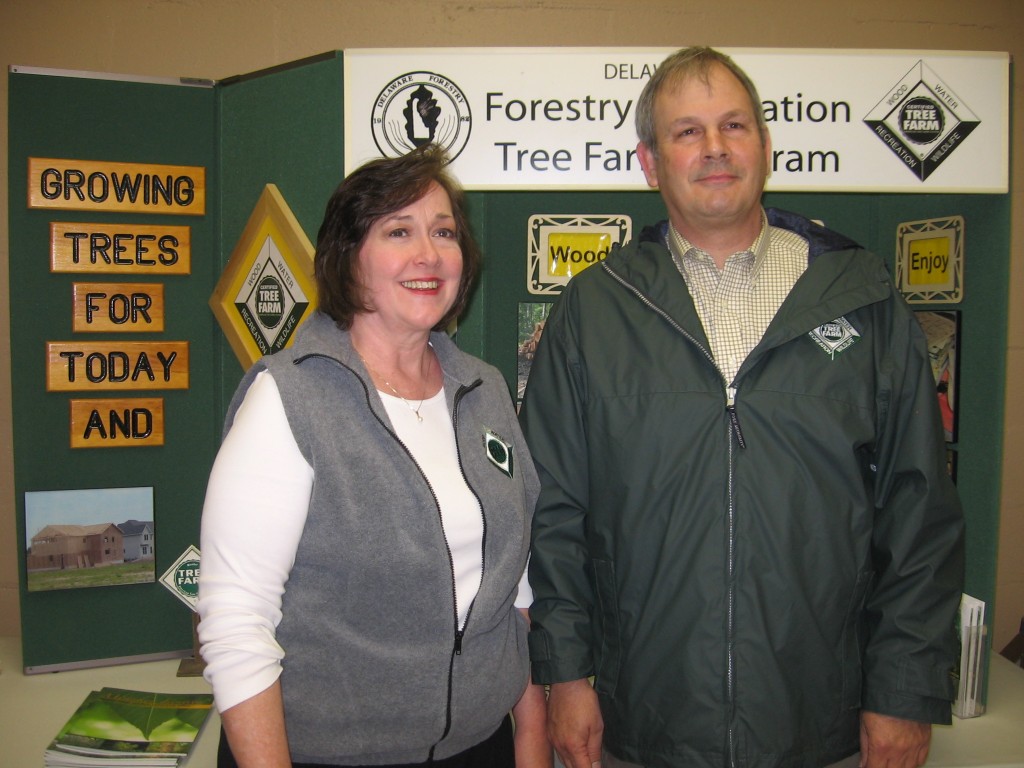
(410, 266)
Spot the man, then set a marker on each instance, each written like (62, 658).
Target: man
(745, 534)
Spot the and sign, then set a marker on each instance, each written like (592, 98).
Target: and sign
(182, 578)
(91, 365)
(117, 307)
(90, 185)
(563, 118)
(120, 248)
(117, 423)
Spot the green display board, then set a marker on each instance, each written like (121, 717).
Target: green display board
(111, 121)
(286, 127)
(282, 127)
(501, 220)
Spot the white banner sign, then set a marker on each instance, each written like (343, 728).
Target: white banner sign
(562, 118)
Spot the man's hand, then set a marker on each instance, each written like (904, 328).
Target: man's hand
(574, 724)
(891, 742)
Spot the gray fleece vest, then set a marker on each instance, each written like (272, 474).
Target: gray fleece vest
(375, 670)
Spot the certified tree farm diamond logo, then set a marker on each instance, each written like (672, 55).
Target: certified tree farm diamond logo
(834, 337)
(270, 301)
(922, 120)
(182, 578)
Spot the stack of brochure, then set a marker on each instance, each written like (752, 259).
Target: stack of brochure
(125, 728)
(972, 672)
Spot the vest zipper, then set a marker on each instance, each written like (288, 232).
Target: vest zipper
(459, 633)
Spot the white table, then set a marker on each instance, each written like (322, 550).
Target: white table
(993, 739)
(34, 707)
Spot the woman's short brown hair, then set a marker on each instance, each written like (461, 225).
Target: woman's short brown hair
(372, 191)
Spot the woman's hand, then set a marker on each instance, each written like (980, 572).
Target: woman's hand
(533, 750)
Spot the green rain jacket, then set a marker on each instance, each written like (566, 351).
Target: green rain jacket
(742, 566)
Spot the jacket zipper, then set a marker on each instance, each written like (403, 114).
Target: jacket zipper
(664, 315)
(730, 654)
(734, 418)
(735, 438)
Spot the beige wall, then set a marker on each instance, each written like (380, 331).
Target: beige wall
(219, 38)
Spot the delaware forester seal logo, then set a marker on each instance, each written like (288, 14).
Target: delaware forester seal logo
(921, 120)
(421, 108)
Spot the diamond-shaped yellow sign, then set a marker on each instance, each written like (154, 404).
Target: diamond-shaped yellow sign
(267, 288)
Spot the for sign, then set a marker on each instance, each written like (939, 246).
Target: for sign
(118, 307)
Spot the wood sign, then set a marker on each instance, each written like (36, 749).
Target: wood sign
(112, 248)
(117, 423)
(120, 248)
(90, 365)
(930, 260)
(87, 185)
(117, 307)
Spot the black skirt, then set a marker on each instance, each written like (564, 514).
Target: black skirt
(496, 751)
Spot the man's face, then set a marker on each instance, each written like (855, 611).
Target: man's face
(711, 162)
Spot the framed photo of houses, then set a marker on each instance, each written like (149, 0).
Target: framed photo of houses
(96, 537)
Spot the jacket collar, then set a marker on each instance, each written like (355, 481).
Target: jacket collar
(819, 239)
(831, 287)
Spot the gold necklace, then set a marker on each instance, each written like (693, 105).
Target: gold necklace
(415, 410)
(388, 384)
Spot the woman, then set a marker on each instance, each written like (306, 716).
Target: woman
(367, 518)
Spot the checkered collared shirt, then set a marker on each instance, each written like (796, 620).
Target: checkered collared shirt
(737, 304)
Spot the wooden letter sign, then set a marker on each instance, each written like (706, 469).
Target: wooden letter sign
(120, 307)
(117, 423)
(89, 185)
(140, 249)
(94, 365)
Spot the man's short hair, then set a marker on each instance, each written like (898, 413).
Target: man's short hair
(685, 63)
